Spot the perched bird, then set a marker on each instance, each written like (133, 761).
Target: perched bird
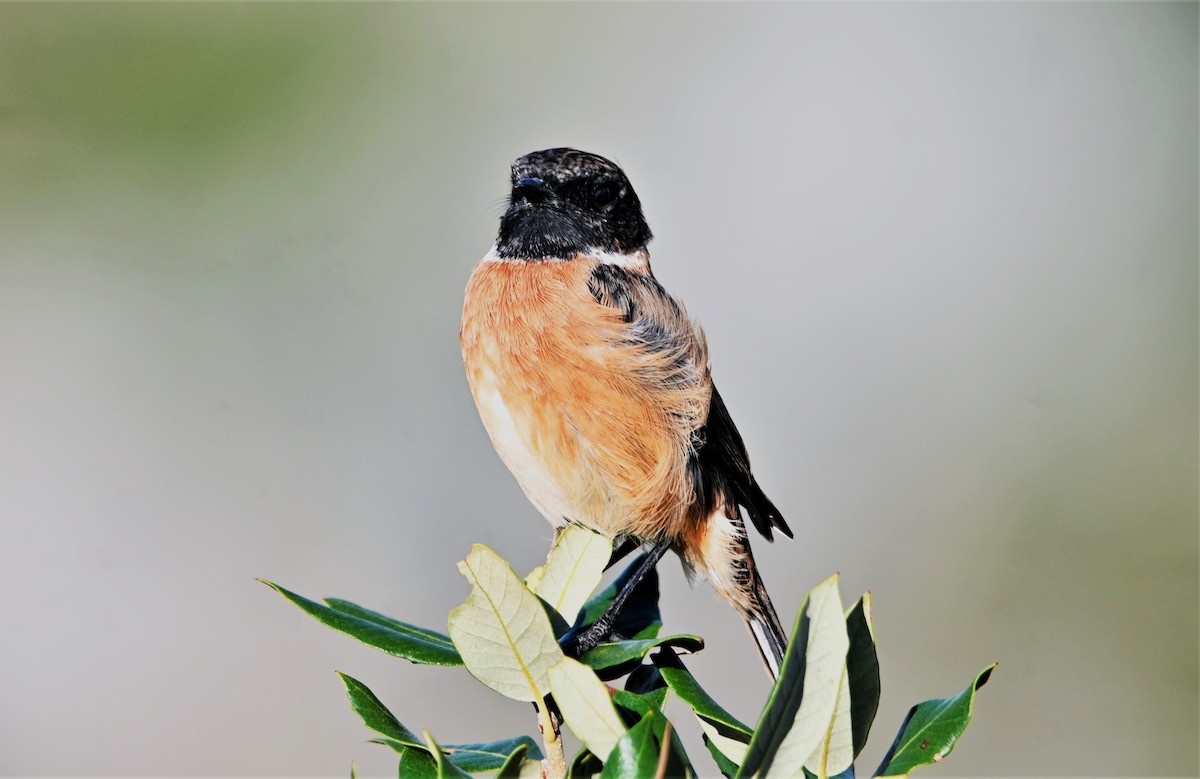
(595, 388)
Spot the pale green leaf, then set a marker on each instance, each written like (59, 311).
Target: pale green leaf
(573, 570)
(824, 669)
(732, 748)
(586, 706)
(535, 576)
(531, 769)
(502, 631)
(835, 753)
(518, 766)
(804, 699)
(727, 767)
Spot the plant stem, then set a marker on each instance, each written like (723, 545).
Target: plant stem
(664, 753)
(556, 759)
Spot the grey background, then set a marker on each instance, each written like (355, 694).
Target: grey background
(946, 256)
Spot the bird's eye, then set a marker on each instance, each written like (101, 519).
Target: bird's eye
(604, 195)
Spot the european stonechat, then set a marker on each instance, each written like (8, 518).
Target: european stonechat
(595, 387)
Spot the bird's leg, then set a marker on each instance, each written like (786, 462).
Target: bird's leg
(577, 643)
(622, 549)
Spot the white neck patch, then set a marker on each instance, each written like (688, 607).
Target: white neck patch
(639, 260)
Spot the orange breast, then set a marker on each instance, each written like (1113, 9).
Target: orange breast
(571, 403)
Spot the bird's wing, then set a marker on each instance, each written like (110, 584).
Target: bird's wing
(718, 465)
(646, 366)
(723, 468)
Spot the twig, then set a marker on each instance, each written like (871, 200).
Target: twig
(555, 764)
(664, 752)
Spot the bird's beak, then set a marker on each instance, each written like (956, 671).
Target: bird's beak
(529, 190)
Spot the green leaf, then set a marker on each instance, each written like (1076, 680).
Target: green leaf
(722, 730)
(511, 768)
(502, 630)
(354, 610)
(414, 644)
(678, 763)
(399, 747)
(631, 707)
(576, 563)
(727, 767)
(586, 706)
(802, 703)
(636, 752)
(475, 758)
(445, 768)
(518, 766)
(583, 765)
(353, 771)
(931, 729)
(417, 764)
(862, 671)
(647, 683)
(375, 715)
(635, 708)
(683, 684)
(620, 653)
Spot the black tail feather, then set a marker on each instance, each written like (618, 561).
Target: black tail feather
(757, 609)
(763, 514)
(765, 627)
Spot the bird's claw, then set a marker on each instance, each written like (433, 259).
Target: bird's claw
(578, 641)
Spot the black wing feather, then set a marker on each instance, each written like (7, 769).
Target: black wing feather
(721, 467)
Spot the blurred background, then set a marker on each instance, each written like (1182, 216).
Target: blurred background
(946, 256)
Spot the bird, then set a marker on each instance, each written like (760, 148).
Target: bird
(595, 387)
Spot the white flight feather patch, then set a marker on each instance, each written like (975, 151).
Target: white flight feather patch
(718, 552)
(721, 544)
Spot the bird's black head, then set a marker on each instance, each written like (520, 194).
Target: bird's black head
(566, 201)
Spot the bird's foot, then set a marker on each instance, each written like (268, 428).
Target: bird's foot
(578, 641)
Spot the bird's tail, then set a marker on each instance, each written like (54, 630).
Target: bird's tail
(719, 551)
(762, 620)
